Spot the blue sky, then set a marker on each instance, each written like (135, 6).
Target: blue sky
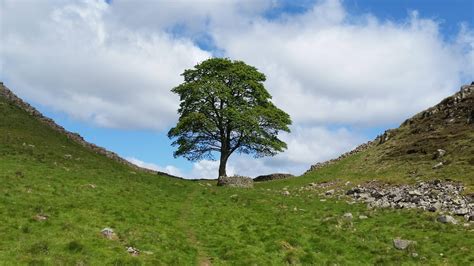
(345, 70)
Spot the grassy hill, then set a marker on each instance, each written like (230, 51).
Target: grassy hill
(56, 195)
(410, 152)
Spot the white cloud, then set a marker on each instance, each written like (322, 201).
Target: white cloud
(93, 69)
(325, 66)
(169, 169)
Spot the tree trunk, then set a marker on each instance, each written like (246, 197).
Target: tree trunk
(222, 165)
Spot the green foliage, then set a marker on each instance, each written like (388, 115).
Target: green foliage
(225, 108)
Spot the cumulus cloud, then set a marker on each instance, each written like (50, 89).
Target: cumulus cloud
(326, 66)
(74, 60)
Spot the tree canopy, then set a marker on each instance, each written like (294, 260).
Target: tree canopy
(225, 108)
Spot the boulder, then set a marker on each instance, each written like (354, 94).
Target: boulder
(447, 219)
(235, 181)
(108, 233)
(348, 216)
(401, 244)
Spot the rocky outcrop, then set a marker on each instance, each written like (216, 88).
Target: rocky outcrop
(270, 177)
(430, 196)
(235, 181)
(15, 100)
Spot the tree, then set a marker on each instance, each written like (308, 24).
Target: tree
(224, 108)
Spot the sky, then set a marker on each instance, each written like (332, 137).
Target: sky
(345, 71)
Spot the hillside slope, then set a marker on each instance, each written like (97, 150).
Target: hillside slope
(435, 143)
(56, 196)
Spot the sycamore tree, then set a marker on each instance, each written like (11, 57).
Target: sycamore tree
(224, 108)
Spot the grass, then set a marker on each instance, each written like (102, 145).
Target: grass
(180, 222)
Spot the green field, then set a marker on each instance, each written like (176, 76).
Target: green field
(179, 222)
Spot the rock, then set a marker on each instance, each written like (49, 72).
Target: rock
(108, 233)
(286, 193)
(438, 165)
(272, 177)
(133, 251)
(68, 156)
(461, 211)
(235, 181)
(329, 192)
(353, 191)
(446, 219)
(402, 244)
(362, 217)
(234, 196)
(41, 217)
(470, 217)
(441, 153)
(348, 216)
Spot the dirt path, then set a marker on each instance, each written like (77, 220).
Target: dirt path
(202, 258)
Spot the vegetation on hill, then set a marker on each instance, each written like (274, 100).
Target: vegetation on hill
(57, 195)
(411, 152)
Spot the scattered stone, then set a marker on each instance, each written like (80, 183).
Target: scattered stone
(362, 217)
(438, 165)
(68, 156)
(285, 193)
(41, 217)
(440, 153)
(348, 216)
(235, 181)
(461, 211)
(133, 251)
(234, 196)
(329, 192)
(322, 200)
(108, 233)
(91, 186)
(414, 255)
(447, 219)
(470, 217)
(401, 244)
(434, 196)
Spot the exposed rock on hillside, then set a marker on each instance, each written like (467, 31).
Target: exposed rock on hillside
(272, 177)
(15, 100)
